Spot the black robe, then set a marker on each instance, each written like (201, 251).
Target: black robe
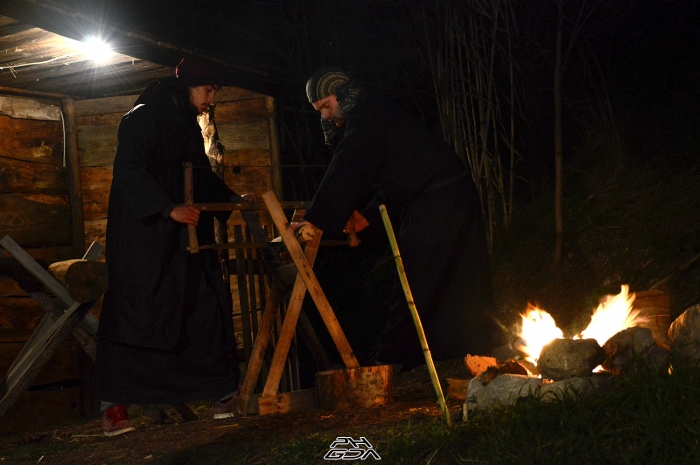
(434, 206)
(165, 333)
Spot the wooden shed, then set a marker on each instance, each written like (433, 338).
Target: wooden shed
(59, 115)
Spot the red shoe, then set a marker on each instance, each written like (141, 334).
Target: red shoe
(116, 421)
(225, 409)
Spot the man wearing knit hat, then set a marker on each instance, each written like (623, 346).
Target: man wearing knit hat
(392, 157)
(165, 334)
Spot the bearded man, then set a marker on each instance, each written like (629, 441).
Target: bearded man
(389, 155)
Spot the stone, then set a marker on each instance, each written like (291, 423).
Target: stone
(631, 343)
(684, 335)
(568, 358)
(503, 390)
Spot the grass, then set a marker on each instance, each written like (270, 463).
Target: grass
(649, 417)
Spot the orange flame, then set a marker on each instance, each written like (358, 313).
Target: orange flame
(538, 329)
(613, 315)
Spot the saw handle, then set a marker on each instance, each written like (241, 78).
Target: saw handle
(193, 246)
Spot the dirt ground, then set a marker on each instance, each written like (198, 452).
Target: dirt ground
(178, 442)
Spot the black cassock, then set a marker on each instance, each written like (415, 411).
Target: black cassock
(165, 333)
(434, 206)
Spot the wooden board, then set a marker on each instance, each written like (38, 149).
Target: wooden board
(242, 111)
(28, 108)
(31, 140)
(10, 288)
(296, 401)
(19, 317)
(235, 136)
(18, 176)
(34, 223)
(97, 145)
(247, 157)
(243, 180)
(228, 93)
(96, 183)
(106, 105)
(96, 230)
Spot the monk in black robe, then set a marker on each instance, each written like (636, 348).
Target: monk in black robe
(165, 333)
(391, 156)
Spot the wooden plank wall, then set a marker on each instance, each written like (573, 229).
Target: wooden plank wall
(35, 212)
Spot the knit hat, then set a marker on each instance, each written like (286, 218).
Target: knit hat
(194, 71)
(324, 82)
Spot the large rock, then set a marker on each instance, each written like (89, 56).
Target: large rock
(568, 358)
(502, 390)
(684, 334)
(631, 343)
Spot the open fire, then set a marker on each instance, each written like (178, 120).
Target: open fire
(613, 315)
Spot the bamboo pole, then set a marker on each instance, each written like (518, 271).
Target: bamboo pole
(414, 313)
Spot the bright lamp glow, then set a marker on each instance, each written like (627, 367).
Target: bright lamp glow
(95, 49)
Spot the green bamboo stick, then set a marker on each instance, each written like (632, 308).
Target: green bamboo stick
(414, 314)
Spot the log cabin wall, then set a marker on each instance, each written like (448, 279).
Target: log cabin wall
(35, 212)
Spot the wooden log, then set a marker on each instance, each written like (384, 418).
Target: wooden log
(85, 280)
(244, 179)
(296, 401)
(96, 182)
(242, 111)
(355, 387)
(228, 94)
(101, 106)
(34, 178)
(34, 223)
(31, 140)
(27, 108)
(237, 136)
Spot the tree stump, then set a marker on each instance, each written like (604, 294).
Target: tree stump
(85, 280)
(355, 387)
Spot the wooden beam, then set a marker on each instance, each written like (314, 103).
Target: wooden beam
(124, 39)
(74, 183)
(284, 340)
(305, 270)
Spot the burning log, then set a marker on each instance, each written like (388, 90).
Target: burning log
(631, 343)
(684, 334)
(568, 358)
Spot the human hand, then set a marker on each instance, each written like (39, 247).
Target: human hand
(356, 223)
(186, 214)
(249, 197)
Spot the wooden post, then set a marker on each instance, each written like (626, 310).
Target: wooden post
(258, 354)
(305, 270)
(74, 182)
